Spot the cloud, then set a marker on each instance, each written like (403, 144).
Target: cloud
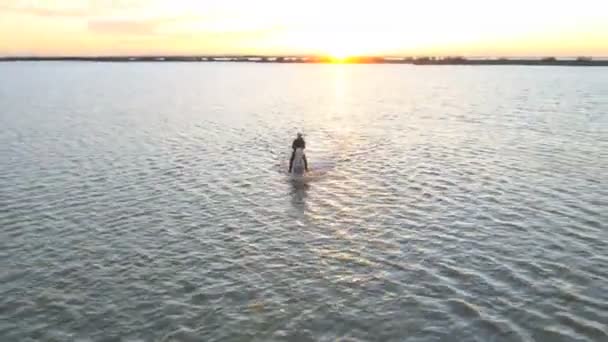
(46, 12)
(128, 26)
(121, 26)
(59, 9)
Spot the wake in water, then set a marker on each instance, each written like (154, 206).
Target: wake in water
(316, 169)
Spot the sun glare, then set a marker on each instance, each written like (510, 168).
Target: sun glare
(344, 48)
(338, 57)
(339, 54)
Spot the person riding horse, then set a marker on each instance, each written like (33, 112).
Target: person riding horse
(298, 143)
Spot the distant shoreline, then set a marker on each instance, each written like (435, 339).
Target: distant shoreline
(548, 61)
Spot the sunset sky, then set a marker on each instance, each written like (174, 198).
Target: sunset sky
(388, 27)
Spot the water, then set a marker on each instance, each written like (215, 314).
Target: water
(149, 202)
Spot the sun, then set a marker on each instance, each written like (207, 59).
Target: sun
(344, 49)
(339, 55)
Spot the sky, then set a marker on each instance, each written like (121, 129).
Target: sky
(332, 27)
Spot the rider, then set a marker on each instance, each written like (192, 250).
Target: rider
(298, 143)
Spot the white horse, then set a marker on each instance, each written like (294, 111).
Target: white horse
(298, 167)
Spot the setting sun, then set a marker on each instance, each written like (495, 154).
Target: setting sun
(339, 56)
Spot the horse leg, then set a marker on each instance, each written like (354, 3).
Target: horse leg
(293, 155)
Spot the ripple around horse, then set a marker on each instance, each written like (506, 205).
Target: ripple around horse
(316, 170)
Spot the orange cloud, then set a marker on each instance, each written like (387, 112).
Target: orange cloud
(129, 27)
(46, 12)
(69, 8)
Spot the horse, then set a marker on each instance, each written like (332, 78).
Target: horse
(298, 168)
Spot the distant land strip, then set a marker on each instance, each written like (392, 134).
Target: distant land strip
(580, 61)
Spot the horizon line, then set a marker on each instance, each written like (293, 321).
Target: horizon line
(299, 55)
(536, 61)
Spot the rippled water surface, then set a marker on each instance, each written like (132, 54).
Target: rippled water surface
(149, 202)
